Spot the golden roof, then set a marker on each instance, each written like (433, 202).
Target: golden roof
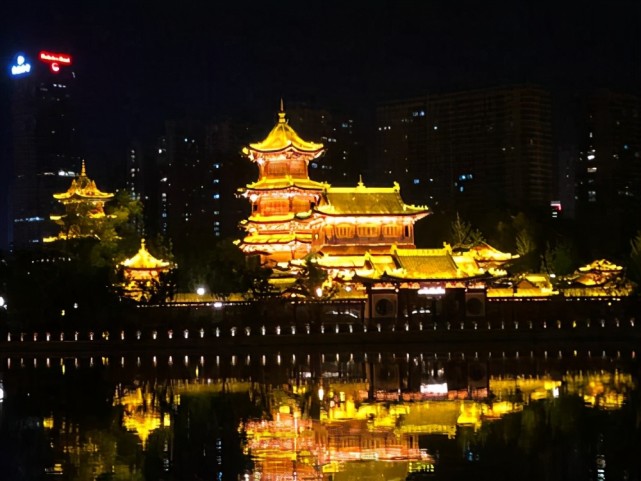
(277, 238)
(485, 252)
(432, 264)
(144, 260)
(362, 200)
(282, 137)
(82, 187)
(429, 264)
(601, 265)
(285, 183)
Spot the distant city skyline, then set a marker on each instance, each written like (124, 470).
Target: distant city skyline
(139, 65)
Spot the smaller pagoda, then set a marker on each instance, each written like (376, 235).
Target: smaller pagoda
(84, 209)
(142, 273)
(600, 278)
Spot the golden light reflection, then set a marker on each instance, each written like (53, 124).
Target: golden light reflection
(141, 413)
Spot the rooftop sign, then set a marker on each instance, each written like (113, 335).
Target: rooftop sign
(21, 66)
(55, 60)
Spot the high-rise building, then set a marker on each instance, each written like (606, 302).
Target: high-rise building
(344, 158)
(609, 168)
(44, 153)
(197, 178)
(470, 150)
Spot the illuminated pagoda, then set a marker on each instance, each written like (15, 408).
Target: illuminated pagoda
(142, 271)
(281, 225)
(84, 208)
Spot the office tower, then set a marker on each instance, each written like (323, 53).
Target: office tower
(194, 198)
(344, 158)
(471, 150)
(609, 172)
(44, 153)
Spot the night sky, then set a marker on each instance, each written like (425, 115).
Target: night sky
(139, 63)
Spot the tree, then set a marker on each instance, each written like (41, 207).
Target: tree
(635, 258)
(312, 281)
(525, 243)
(227, 270)
(463, 234)
(559, 259)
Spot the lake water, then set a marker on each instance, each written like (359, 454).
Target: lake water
(565, 411)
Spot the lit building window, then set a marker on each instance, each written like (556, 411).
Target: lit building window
(345, 231)
(368, 230)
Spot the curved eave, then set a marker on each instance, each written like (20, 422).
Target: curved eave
(271, 219)
(418, 214)
(276, 239)
(308, 185)
(259, 148)
(76, 195)
(145, 269)
(392, 278)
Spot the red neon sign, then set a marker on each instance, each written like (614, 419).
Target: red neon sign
(49, 57)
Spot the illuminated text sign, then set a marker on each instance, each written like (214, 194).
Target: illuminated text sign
(55, 60)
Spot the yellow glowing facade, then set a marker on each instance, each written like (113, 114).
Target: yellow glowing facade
(141, 413)
(600, 278)
(359, 234)
(281, 225)
(84, 208)
(141, 271)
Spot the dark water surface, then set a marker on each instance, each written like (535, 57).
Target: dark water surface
(345, 413)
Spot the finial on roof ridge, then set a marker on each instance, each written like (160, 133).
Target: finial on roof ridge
(281, 113)
(83, 170)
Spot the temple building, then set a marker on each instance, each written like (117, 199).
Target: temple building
(141, 273)
(357, 234)
(293, 216)
(600, 278)
(84, 209)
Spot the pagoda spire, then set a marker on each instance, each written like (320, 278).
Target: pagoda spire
(83, 170)
(281, 113)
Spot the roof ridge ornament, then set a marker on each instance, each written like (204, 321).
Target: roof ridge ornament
(281, 113)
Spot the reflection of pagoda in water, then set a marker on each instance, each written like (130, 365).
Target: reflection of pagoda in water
(84, 208)
(355, 435)
(141, 412)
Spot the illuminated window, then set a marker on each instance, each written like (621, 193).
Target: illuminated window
(277, 168)
(275, 207)
(345, 231)
(391, 230)
(300, 204)
(298, 168)
(368, 230)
